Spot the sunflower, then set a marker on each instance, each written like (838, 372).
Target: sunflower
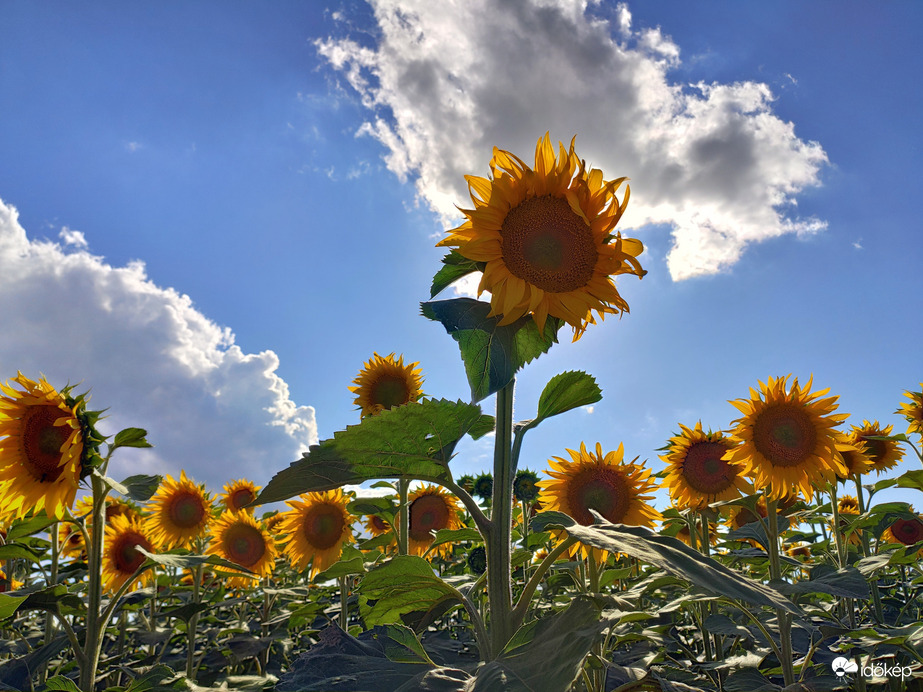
(70, 541)
(9, 584)
(913, 411)
(316, 529)
(42, 450)
(697, 473)
(684, 535)
(786, 438)
(484, 486)
(848, 510)
(239, 538)
(238, 494)
(378, 526)
(856, 461)
(906, 530)
(546, 239)
(180, 511)
(385, 383)
(600, 482)
(525, 486)
(431, 509)
(883, 454)
(120, 557)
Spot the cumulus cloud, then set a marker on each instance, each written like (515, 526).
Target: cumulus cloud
(150, 357)
(442, 86)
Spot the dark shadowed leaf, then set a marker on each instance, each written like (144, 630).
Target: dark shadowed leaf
(671, 555)
(749, 680)
(142, 487)
(492, 354)
(847, 583)
(416, 441)
(190, 561)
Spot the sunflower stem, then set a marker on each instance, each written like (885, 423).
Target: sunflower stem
(94, 625)
(344, 605)
(499, 586)
(403, 516)
(867, 551)
(525, 598)
(193, 621)
(52, 579)
(775, 573)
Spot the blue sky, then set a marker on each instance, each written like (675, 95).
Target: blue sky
(214, 213)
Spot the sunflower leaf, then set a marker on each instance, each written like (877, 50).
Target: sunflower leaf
(130, 437)
(402, 585)
(672, 556)
(412, 441)
(566, 391)
(141, 487)
(188, 561)
(454, 267)
(492, 354)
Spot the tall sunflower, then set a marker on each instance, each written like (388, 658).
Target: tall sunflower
(238, 537)
(913, 411)
(848, 510)
(431, 509)
(238, 494)
(883, 454)
(697, 473)
(180, 511)
(47, 437)
(385, 383)
(856, 461)
(547, 238)
(906, 530)
(120, 558)
(786, 437)
(316, 528)
(619, 491)
(377, 526)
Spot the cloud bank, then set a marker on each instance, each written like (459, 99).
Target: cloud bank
(148, 356)
(445, 82)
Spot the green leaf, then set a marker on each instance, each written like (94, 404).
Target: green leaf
(155, 680)
(674, 557)
(111, 482)
(12, 551)
(485, 424)
(401, 645)
(911, 479)
(49, 598)
(131, 437)
(847, 582)
(351, 561)
(567, 391)
(403, 585)
(492, 354)
(722, 624)
(455, 536)
(59, 682)
(371, 505)
(415, 441)
(547, 654)
(29, 527)
(141, 488)
(190, 561)
(455, 267)
(9, 604)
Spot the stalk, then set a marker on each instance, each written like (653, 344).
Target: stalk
(867, 551)
(193, 623)
(775, 572)
(344, 605)
(95, 626)
(499, 587)
(403, 517)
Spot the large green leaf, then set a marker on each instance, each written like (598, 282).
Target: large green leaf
(669, 554)
(847, 582)
(547, 654)
(492, 354)
(416, 441)
(567, 391)
(454, 267)
(142, 487)
(403, 585)
(186, 561)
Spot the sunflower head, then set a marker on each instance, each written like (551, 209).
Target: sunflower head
(238, 494)
(121, 558)
(70, 541)
(848, 504)
(431, 509)
(883, 454)
(600, 482)
(9, 583)
(855, 460)
(786, 438)
(697, 472)
(48, 443)
(546, 238)
(315, 529)
(483, 486)
(913, 411)
(525, 486)
(906, 530)
(477, 560)
(385, 383)
(239, 538)
(180, 512)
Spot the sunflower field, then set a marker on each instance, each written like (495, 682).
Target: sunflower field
(773, 568)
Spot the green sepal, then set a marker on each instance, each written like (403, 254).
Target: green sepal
(454, 267)
(492, 354)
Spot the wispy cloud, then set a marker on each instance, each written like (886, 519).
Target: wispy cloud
(150, 357)
(711, 160)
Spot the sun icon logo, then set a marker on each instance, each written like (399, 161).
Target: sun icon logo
(841, 666)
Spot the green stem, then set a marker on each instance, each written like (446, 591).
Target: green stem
(867, 551)
(344, 605)
(403, 516)
(499, 587)
(95, 628)
(775, 573)
(193, 623)
(52, 579)
(526, 508)
(525, 598)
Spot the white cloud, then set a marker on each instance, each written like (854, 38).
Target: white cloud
(150, 357)
(73, 238)
(443, 86)
(133, 146)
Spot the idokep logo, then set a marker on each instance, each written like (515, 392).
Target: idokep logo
(841, 666)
